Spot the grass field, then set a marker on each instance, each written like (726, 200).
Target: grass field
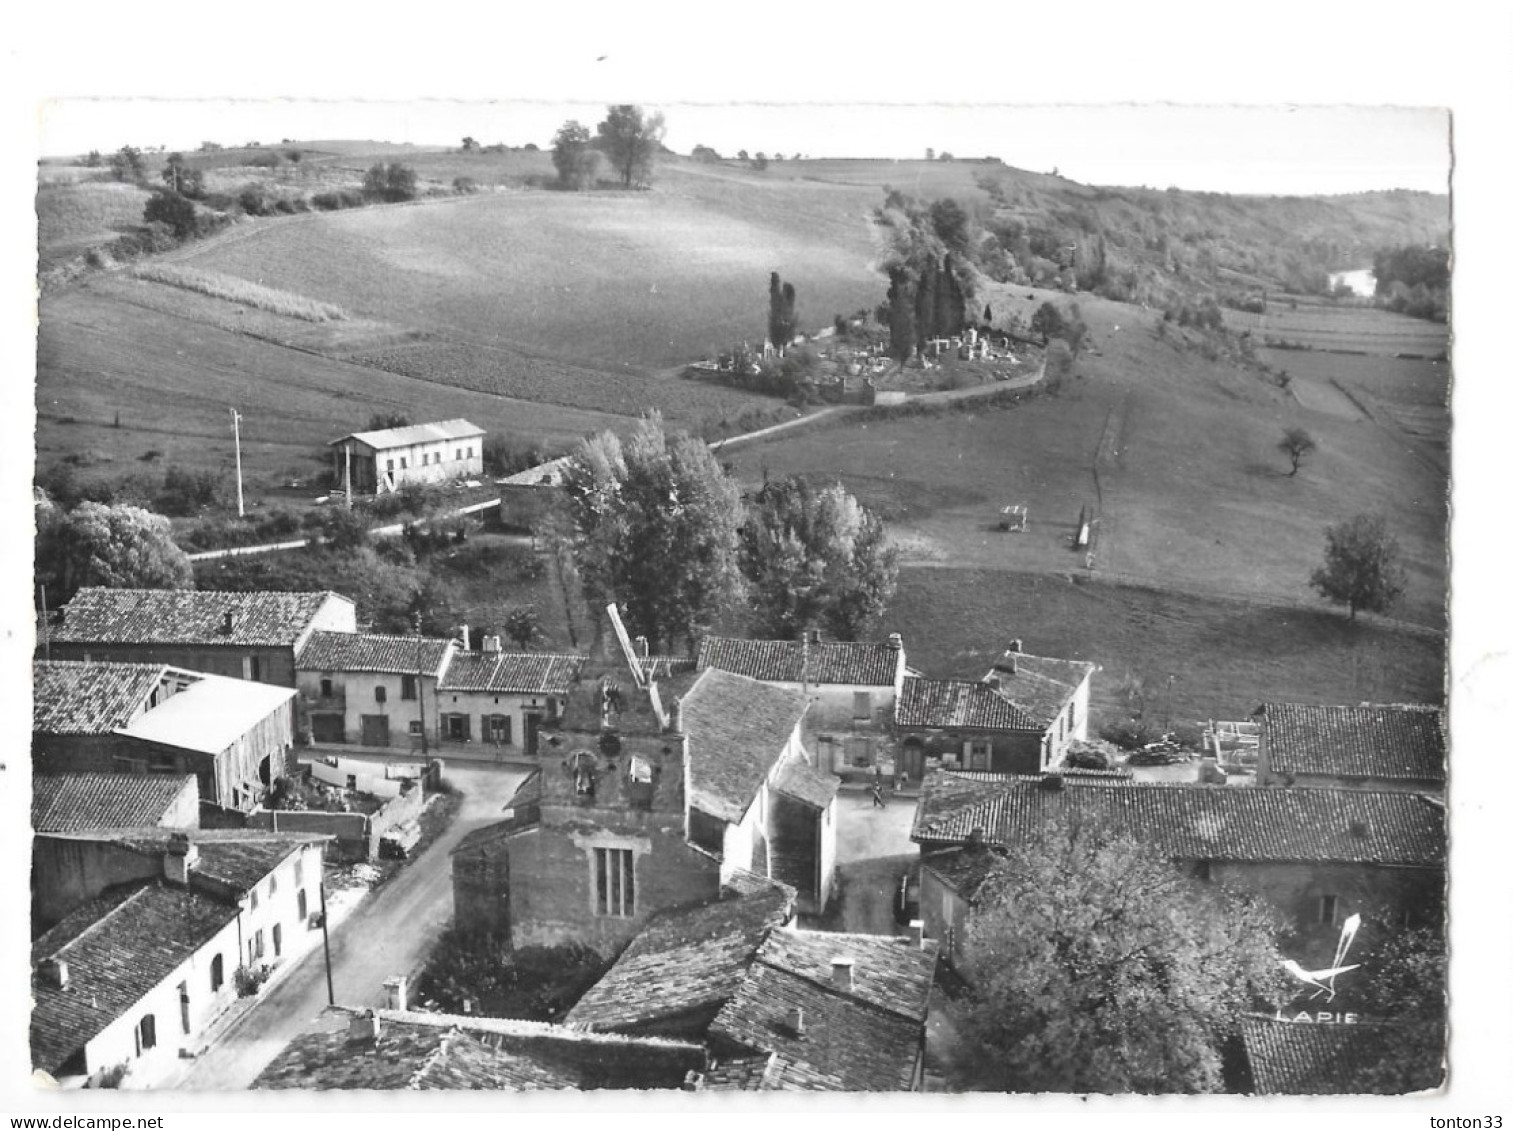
(73, 217)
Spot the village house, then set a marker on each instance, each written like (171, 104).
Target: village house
(132, 977)
(254, 636)
(645, 802)
(778, 1007)
(1372, 746)
(1019, 718)
(1316, 855)
(402, 1050)
(503, 699)
(853, 687)
(390, 459)
(68, 803)
(233, 736)
(1290, 1058)
(376, 690)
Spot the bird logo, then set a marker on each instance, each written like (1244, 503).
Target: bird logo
(1322, 981)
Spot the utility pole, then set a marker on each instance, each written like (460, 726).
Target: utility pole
(236, 431)
(420, 690)
(347, 451)
(325, 938)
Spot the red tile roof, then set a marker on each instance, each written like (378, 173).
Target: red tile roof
(1301, 1059)
(187, 616)
(792, 661)
(77, 802)
(516, 673)
(1193, 822)
(1370, 741)
(371, 652)
(953, 703)
(79, 697)
(737, 728)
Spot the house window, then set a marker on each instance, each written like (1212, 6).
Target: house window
(1329, 906)
(252, 904)
(217, 972)
(861, 706)
(1204, 870)
(258, 949)
(272, 885)
(414, 726)
(1071, 715)
(403, 463)
(979, 755)
(278, 939)
(304, 906)
(327, 689)
(147, 1033)
(459, 453)
(425, 460)
(299, 873)
(184, 1005)
(614, 882)
(470, 451)
(380, 694)
(389, 465)
(408, 687)
(501, 729)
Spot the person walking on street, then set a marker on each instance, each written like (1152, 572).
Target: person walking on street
(878, 801)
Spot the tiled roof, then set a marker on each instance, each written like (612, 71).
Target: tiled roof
(371, 652)
(950, 703)
(76, 802)
(518, 673)
(789, 661)
(79, 697)
(736, 727)
(681, 962)
(1375, 741)
(743, 882)
(1040, 686)
(187, 616)
(415, 434)
(867, 1039)
(429, 1051)
(118, 948)
(230, 860)
(1193, 822)
(802, 781)
(1299, 1059)
(761, 1072)
(963, 867)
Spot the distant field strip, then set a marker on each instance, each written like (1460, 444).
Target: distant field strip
(240, 291)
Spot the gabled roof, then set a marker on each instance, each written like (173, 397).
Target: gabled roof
(118, 948)
(951, 703)
(682, 961)
(796, 661)
(964, 867)
(737, 729)
(801, 781)
(1192, 822)
(76, 802)
(865, 1039)
(372, 652)
(1040, 686)
(410, 434)
(188, 616)
(210, 714)
(1370, 741)
(86, 697)
(231, 861)
(435, 1051)
(1300, 1059)
(515, 673)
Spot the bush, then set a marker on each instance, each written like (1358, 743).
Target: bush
(249, 980)
(185, 492)
(464, 186)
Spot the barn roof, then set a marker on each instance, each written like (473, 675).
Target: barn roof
(861, 663)
(88, 697)
(1396, 741)
(188, 616)
(411, 434)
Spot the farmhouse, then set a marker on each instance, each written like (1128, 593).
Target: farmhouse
(376, 463)
(255, 636)
(396, 1049)
(360, 687)
(778, 1007)
(504, 698)
(1373, 746)
(234, 737)
(132, 977)
(645, 802)
(853, 687)
(1317, 855)
(1019, 718)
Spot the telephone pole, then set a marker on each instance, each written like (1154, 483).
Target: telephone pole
(236, 430)
(420, 689)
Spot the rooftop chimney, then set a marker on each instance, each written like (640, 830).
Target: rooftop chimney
(1016, 645)
(364, 1026)
(895, 641)
(917, 932)
(398, 990)
(841, 976)
(995, 681)
(180, 859)
(493, 644)
(228, 622)
(467, 638)
(54, 972)
(796, 1021)
(813, 636)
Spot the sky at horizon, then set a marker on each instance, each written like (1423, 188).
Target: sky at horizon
(1286, 150)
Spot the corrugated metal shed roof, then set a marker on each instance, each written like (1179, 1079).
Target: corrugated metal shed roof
(411, 434)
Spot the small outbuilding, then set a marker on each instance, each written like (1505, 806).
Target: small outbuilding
(376, 463)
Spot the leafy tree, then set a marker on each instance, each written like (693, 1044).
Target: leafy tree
(705, 154)
(126, 164)
(523, 627)
(1361, 568)
(122, 547)
(1296, 443)
(93, 161)
(1048, 322)
(1096, 968)
(391, 182)
(951, 224)
(572, 153)
(183, 179)
(470, 145)
(656, 527)
(383, 421)
(925, 326)
(782, 301)
(177, 212)
(631, 138)
(742, 155)
(814, 557)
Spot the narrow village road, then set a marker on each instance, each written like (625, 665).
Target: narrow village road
(388, 933)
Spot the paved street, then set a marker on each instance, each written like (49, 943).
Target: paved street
(389, 933)
(871, 852)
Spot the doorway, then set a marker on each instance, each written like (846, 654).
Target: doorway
(375, 730)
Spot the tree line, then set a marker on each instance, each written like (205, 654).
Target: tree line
(629, 138)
